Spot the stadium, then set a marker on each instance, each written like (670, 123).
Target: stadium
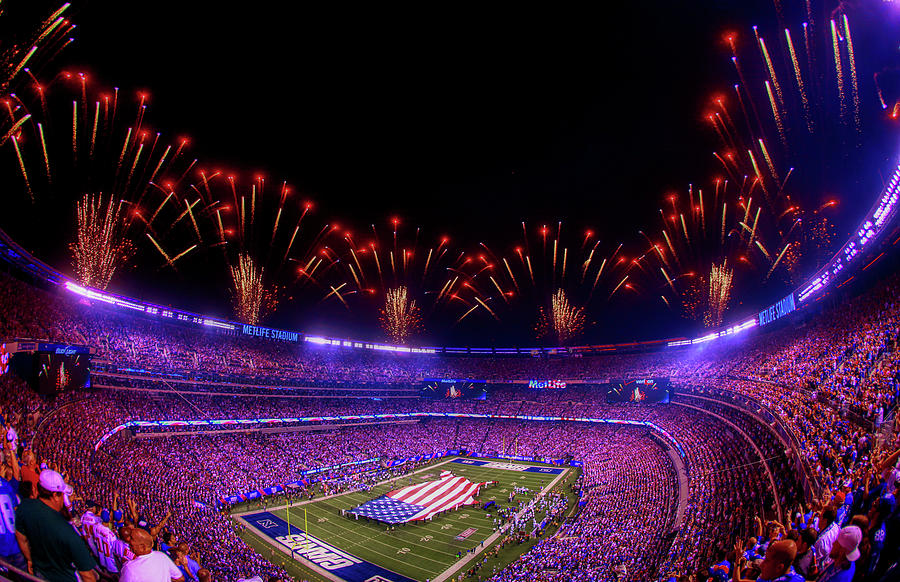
(608, 372)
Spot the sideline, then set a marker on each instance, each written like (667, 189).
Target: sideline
(308, 564)
(487, 543)
(445, 575)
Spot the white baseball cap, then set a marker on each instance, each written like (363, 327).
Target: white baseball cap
(53, 481)
(849, 539)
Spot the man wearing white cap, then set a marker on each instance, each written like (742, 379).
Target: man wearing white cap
(844, 553)
(51, 546)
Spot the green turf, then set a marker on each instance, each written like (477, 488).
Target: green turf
(421, 550)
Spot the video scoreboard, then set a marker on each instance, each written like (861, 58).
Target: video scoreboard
(454, 389)
(643, 390)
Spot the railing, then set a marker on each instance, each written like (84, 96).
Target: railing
(6, 569)
(812, 488)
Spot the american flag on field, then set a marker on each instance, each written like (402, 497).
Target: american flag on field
(422, 501)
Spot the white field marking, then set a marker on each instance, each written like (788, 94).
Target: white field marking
(317, 499)
(443, 576)
(325, 573)
(360, 533)
(446, 574)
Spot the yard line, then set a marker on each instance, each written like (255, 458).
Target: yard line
(356, 530)
(368, 538)
(300, 503)
(448, 573)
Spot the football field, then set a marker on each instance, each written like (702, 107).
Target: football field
(341, 547)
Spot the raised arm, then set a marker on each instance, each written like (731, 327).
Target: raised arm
(158, 528)
(132, 511)
(13, 460)
(890, 461)
(739, 560)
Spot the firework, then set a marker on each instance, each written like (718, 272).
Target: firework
(798, 112)
(563, 321)
(362, 267)
(101, 246)
(35, 44)
(79, 140)
(260, 233)
(82, 138)
(551, 259)
(32, 46)
(721, 281)
(400, 316)
(252, 299)
(771, 135)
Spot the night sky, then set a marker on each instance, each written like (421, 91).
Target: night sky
(463, 121)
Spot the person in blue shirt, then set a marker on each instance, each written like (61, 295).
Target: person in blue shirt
(844, 554)
(878, 537)
(9, 500)
(182, 558)
(805, 562)
(752, 552)
(776, 566)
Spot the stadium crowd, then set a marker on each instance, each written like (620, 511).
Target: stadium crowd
(816, 501)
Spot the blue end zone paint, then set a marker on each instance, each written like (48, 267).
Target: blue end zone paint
(544, 470)
(323, 555)
(470, 462)
(524, 468)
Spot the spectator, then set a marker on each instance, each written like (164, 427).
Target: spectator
(52, 548)
(777, 566)
(148, 564)
(805, 562)
(844, 554)
(9, 484)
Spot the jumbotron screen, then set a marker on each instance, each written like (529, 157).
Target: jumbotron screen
(453, 389)
(57, 372)
(644, 390)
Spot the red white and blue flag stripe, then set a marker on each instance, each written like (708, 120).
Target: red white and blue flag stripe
(422, 501)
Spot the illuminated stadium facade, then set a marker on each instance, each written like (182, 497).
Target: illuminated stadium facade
(168, 444)
(522, 403)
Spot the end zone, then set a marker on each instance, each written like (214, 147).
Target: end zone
(327, 560)
(510, 466)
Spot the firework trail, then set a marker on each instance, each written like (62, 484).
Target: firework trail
(798, 77)
(400, 317)
(101, 246)
(563, 321)
(264, 235)
(851, 62)
(363, 268)
(253, 300)
(721, 282)
(839, 70)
